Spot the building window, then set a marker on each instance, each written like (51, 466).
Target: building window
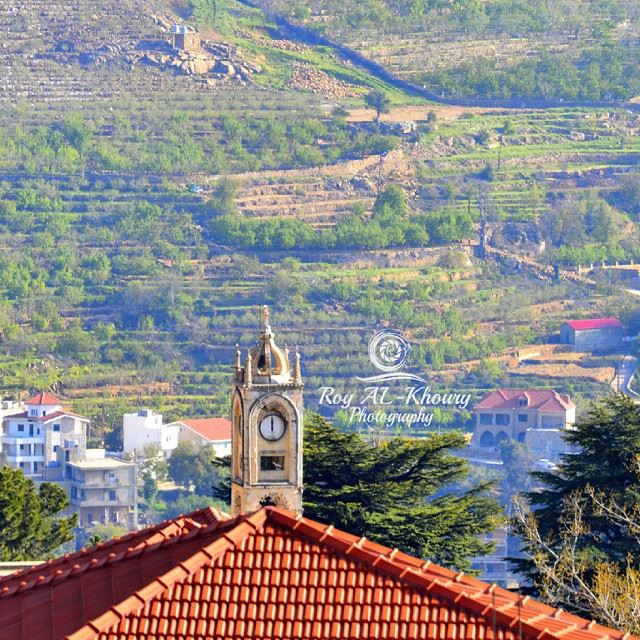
(56, 427)
(22, 465)
(271, 463)
(89, 518)
(74, 492)
(502, 418)
(20, 427)
(523, 402)
(113, 496)
(523, 417)
(33, 412)
(486, 418)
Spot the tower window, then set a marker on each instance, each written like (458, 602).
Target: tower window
(271, 463)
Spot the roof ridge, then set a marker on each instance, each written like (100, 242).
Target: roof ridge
(243, 526)
(142, 542)
(400, 566)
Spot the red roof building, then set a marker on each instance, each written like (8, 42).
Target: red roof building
(270, 574)
(514, 413)
(45, 398)
(595, 323)
(594, 334)
(215, 432)
(545, 400)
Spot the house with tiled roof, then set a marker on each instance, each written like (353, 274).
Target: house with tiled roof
(48, 442)
(593, 334)
(32, 438)
(522, 414)
(214, 432)
(269, 574)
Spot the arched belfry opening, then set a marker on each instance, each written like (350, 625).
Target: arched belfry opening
(267, 411)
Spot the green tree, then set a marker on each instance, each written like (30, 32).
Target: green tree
(396, 492)
(379, 101)
(608, 442)
(30, 525)
(191, 467)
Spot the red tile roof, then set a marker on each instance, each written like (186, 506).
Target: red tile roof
(541, 399)
(44, 398)
(49, 417)
(212, 429)
(270, 574)
(595, 323)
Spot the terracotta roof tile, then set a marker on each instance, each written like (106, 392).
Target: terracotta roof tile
(44, 398)
(267, 575)
(213, 429)
(540, 399)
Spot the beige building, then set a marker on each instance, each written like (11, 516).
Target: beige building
(266, 458)
(201, 432)
(103, 490)
(185, 38)
(510, 413)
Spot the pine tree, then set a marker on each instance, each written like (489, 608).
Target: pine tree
(398, 493)
(30, 525)
(607, 443)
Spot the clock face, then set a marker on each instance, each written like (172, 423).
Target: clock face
(272, 427)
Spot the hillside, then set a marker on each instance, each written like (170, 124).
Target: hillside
(146, 212)
(504, 49)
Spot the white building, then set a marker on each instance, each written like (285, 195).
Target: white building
(8, 408)
(215, 432)
(31, 439)
(144, 428)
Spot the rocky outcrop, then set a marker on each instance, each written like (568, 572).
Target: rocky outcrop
(214, 61)
(310, 78)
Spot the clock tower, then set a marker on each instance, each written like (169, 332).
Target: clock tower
(266, 441)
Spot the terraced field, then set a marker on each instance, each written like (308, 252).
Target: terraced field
(116, 292)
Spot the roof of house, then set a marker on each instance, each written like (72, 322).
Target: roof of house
(540, 399)
(100, 463)
(44, 398)
(595, 323)
(49, 417)
(270, 574)
(212, 429)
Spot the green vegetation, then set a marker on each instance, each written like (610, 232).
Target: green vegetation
(396, 493)
(582, 535)
(561, 50)
(31, 527)
(390, 225)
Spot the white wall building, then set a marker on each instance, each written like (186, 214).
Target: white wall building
(31, 439)
(215, 432)
(8, 408)
(144, 428)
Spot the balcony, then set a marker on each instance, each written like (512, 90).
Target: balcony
(7, 440)
(114, 504)
(16, 459)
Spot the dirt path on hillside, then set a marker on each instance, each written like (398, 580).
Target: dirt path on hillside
(407, 114)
